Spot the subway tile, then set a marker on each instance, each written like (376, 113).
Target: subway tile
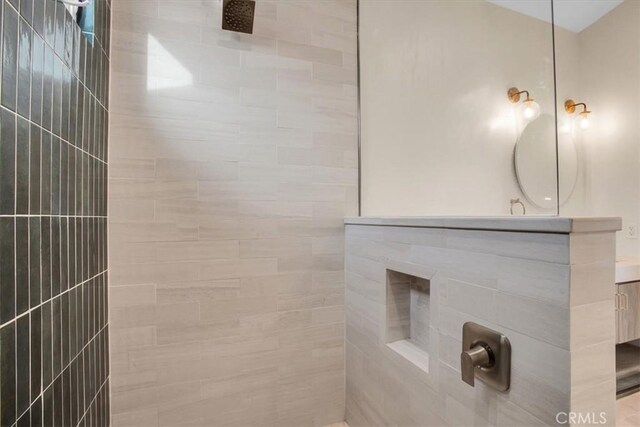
(35, 169)
(23, 380)
(7, 162)
(37, 75)
(26, 10)
(8, 373)
(60, 13)
(35, 254)
(7, 273)
(22, 264)
(9, 57)
(35, 353)
(22, 166)
(25, 40)
(39, 17)
(309, 53)
(56, 109)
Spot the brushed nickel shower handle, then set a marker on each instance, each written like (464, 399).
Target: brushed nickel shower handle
(478, 356)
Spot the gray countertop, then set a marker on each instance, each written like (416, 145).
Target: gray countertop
(538, 224)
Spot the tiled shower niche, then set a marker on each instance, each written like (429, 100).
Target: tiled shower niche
(54, 366)
(408, 313)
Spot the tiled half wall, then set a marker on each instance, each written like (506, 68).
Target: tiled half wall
(551, 294)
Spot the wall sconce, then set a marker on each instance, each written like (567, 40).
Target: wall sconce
(530, 109)
(583, 117)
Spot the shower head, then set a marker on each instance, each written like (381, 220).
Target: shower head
(237, 15)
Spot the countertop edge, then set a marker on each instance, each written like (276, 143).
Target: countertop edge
(555, 224)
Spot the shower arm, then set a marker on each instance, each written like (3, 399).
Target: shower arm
(84, 3)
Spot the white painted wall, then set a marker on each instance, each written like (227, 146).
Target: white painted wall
(438, 132)
(437, 129)
(606, 64)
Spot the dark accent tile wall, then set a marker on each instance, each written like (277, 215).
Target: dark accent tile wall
(54, 334)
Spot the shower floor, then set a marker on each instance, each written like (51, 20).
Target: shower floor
(627, 412)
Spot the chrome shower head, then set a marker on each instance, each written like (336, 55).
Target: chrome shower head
(237, 15)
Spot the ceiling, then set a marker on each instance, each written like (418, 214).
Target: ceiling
(572, 15)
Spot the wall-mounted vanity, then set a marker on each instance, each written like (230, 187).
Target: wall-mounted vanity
(627, 303)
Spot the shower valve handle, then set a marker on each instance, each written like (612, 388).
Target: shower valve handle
(478, 356)
(490, 352)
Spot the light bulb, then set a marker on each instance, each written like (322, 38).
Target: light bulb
(530, 109)
(583, 119)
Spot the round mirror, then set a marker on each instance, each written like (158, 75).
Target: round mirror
(535, 163)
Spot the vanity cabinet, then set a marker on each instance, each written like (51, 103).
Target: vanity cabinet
(627, 312)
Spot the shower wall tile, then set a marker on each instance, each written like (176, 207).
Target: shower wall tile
(53, 280)
(233, 162)
(468, 271)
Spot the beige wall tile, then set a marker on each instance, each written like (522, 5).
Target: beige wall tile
(226, 230)
(309, 53)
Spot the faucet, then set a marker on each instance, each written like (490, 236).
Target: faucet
(517, 201)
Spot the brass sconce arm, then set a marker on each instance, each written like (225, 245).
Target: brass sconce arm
(570, 106)
(514, 95)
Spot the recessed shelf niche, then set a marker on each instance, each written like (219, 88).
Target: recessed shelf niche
(408, 313)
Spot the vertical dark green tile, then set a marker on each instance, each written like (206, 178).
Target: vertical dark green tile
(24, 69)
(55, 256)
(57, 97)
(50, 22)
(7, 271)
(23, 381)
(56, 336)
(7, 162)
(45, 178)
(45, 259)
(35, 170)
(9, 57)
(46, 343)
(47, 87)
(37, 75)
(35, 253)
(22, 166)
(36, 348)
(8, 374)
(22, 264)
(61, 12)
(38, 16)
(55, 175)
(36, 413)
(26, 10)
